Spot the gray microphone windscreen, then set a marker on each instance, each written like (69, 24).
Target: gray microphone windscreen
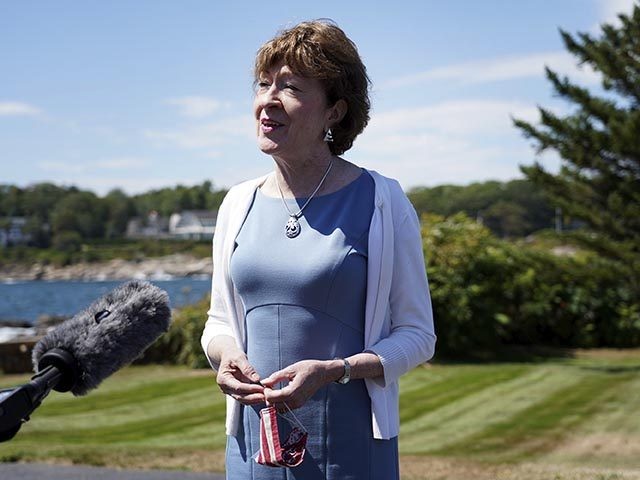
(111, 333)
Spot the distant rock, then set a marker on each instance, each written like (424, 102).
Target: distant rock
(156, 268)
(15, 323)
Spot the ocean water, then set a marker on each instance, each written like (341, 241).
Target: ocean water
(26, 301)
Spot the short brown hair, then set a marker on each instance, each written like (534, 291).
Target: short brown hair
(320, 49)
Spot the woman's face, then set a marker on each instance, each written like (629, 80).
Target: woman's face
(291, 113)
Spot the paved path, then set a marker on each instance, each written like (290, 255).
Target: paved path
(36, 471)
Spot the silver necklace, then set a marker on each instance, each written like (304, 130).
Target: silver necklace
(292, 228)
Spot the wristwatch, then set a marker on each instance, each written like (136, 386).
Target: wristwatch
(347, 372)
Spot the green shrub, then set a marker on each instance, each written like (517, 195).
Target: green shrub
(67, 241)
(488, 292)
(181, 344)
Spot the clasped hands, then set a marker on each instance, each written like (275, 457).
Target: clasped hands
(237, 378)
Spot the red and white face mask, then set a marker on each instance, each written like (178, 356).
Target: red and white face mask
(273, 452)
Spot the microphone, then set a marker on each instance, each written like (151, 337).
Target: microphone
(81, 352)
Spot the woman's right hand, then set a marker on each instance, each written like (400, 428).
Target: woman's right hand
(237, 378)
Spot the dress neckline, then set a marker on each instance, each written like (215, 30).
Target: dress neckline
(325, 195)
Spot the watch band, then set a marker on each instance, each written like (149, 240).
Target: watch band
(347, 372)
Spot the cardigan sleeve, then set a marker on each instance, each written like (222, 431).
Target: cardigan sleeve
(410, 336)
(218, 317)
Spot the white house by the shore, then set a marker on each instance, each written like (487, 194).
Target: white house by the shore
(193, 224)
(188, 224)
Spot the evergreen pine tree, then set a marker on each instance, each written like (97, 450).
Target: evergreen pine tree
(599, 142)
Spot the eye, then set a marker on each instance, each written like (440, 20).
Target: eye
(291, 86)
(262, 85)
(101, 315)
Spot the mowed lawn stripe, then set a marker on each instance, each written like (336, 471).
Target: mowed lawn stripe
(110, 415)
(541, 426)
(620, 413)
(611, 436)
(136, 405)
(419, 396)
(453, 423)
(486, 414)
(134, 431)
(59, 404)
(209, 434)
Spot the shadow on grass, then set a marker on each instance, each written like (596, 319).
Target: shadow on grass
(612, 368)
(509, 354)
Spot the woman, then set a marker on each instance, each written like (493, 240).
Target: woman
(320, 300)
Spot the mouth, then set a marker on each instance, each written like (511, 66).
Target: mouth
(267, 125)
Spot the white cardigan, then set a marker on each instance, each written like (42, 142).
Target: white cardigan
(398, 317)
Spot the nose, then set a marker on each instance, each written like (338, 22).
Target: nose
(268, 97)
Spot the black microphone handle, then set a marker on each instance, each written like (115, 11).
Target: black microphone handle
(57, 370)
(18, 403)
(14, 405)
(42, 383)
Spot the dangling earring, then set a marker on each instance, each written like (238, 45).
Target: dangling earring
(328, 136)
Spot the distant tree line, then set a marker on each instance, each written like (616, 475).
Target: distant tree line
(57, 216)
(509, 209)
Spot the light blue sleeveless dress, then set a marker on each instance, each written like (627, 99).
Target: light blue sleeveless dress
(304, 298)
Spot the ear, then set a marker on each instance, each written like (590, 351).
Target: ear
(337, 112)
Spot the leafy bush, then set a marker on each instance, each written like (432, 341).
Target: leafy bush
(488, 292)
(67, 242)
(181, 344)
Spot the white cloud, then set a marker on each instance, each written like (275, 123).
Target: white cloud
(500, 69)
(116, 163)
(450, 142)
(8, 109)
(207, 136)
(610, 9)
(129, 184)
(466, 117)
(196, 106)
(62, 167)
(460, 164)
(123, 163)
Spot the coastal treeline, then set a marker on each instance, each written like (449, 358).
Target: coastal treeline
(55, 213)
(66, 225)
(510, 209)
(63, 217)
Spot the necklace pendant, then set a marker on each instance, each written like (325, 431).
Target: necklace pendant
(292, 228)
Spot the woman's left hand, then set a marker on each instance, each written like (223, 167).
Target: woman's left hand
(305, 378)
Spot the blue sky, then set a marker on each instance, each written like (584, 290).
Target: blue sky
(144, 94)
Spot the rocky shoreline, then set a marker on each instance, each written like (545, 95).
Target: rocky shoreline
(170, 266)
(18, 337)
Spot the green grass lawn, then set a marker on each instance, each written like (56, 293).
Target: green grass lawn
(575, 418)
